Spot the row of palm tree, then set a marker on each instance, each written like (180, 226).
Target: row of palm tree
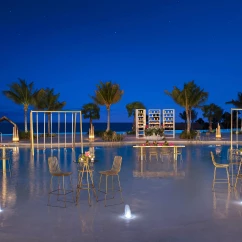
(24, 94)
(192, 96)
(108, 93)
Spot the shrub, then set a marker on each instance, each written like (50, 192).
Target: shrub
(130, 132)
(112, 136)
(237, 132)
(185, 135)
(25, 135)
(47, 135)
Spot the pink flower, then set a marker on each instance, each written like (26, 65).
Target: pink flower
(87, 153)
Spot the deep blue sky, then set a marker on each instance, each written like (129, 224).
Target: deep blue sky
(145, 46)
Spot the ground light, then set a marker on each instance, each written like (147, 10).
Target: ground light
(127, 215)
(127, 212)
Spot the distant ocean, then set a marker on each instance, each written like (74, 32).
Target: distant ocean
(7, 128)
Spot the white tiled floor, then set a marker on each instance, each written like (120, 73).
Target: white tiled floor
(165, 208)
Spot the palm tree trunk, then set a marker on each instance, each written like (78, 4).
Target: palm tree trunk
(190, 118)
(210, 126)
(25, 120)
(134, 125)
(188, 121)
(108, 121)
(90, 122)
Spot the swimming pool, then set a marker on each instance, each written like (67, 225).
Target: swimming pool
(167, 207)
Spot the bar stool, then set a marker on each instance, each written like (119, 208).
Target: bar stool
(86, 172)
(153, 152)
(55, 171)
(223, 166)
(165, 152)
(113, 172)
(239, 174)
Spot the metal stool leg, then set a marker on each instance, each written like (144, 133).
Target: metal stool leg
(64, 189)
(214, 177)
(99, 186)
(120, 189)
(51, 189)
(106, 193)
(93, 187)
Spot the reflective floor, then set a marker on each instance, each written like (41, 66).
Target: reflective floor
(169, 201)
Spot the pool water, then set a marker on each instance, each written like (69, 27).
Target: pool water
(177, 204)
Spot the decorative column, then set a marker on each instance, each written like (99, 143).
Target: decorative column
(218, 132)
(15, 134)
(91, 133)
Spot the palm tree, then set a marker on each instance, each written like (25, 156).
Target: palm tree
(131, 110)
(184, 116)
(48, 101)
(107, 94)
(193, 115)
(22, 93)
(201, 122)
(191, 96)
(91, 111)
(213, 112)
(226, 119)
(237, 104)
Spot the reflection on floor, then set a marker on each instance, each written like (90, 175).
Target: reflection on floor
(159, 168)
(178, 207)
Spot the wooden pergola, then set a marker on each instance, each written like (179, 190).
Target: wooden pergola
(15, 128)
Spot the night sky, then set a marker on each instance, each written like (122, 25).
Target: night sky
(144, 46)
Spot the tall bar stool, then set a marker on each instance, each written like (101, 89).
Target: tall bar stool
(86, 172)
(55, 171)
(153, 152)
(239, 174)
(165, 152)
(216, 166)
(116, 167)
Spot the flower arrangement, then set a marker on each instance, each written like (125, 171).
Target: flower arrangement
(86, 157)
(155, 143)
(165, 143)
(154, 130)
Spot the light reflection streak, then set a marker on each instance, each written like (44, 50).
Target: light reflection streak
(4, 189)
